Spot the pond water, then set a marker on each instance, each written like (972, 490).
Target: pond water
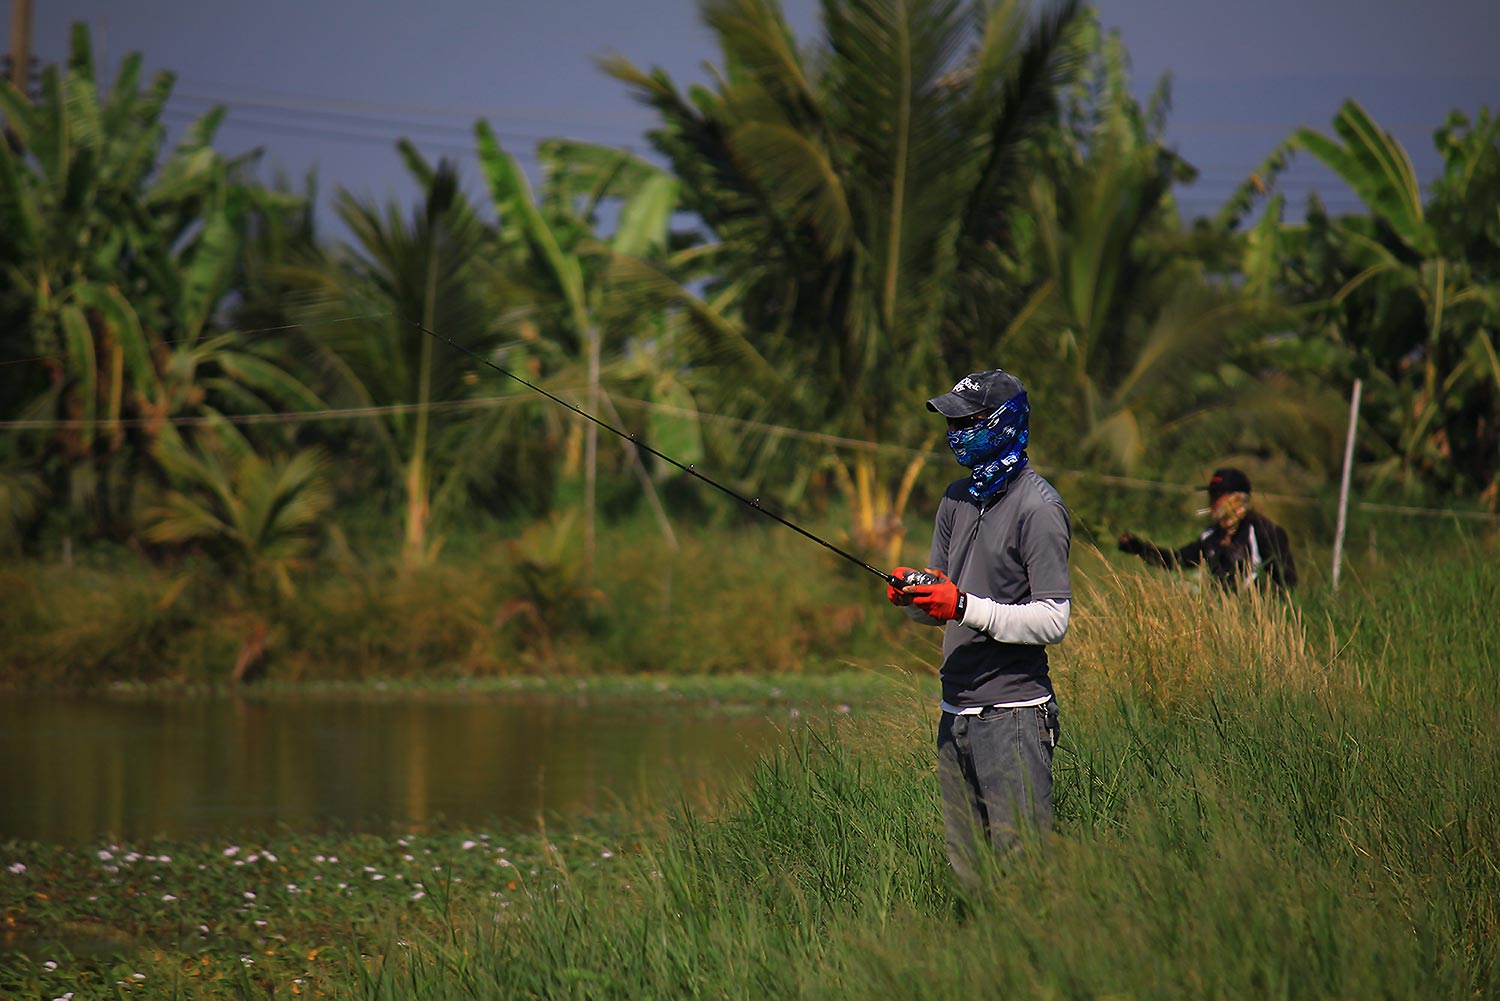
(75, 769)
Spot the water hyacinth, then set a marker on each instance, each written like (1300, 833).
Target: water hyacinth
(282, 912)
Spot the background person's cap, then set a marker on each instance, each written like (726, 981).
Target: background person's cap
(976, 392)
(1227, 481)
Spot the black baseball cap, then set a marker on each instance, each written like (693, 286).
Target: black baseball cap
(976, 392)
(1227, 481)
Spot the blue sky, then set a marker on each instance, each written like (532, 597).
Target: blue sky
(332, 83)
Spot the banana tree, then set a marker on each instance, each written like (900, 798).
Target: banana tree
(258, 516)
(1421, 304)
(858, 192)
(609, 293)
(116, 261)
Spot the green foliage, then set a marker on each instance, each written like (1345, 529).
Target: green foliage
(113, 262)
(918, 190)
(858, 191)
(1413, 299)
(1138, 337)
(257, 517)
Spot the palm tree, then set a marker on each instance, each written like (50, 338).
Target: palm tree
(1123, 319)
(401, 276)
(1155, 345)
(858, 192)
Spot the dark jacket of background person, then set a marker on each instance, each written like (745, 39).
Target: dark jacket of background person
(1258, 551)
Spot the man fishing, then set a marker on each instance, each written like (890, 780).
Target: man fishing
(997, 582)
(1242, 546)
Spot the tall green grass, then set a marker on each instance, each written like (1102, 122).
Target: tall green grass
(1253, 801)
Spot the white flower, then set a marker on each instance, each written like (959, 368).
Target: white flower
(606, 854)
(269, 857)
(249, 895)
(50, 965)
(168, 897)
(418, 895)
(104, 856)
(17, 869)
(231, 851)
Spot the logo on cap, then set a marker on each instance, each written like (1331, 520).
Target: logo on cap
(967, 383)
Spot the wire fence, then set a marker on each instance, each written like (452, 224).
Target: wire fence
(818, 438)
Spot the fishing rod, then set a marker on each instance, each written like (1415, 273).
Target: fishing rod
(685, 467)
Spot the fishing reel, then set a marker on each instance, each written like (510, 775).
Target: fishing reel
(919, 578)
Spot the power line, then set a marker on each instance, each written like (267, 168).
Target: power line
(385, 108)
(241, 333)
(454, 131)
(341, 135)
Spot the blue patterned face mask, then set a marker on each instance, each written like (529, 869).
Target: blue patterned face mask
(994, 450)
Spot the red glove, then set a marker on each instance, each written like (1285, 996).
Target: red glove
(894, 594)
(938, 600)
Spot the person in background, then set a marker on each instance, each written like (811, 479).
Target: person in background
(997, 582)
(1242, 547)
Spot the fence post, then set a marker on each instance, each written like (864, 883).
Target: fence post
(1338, 532)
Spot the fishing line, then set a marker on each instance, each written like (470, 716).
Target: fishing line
(685, 467)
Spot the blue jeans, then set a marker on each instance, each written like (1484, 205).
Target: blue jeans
(995, 771)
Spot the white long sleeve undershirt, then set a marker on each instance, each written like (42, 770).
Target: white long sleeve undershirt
(1035, 622)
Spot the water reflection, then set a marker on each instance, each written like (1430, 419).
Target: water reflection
(75, 769)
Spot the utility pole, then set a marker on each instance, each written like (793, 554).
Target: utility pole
(20, 60)
(20, 45)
